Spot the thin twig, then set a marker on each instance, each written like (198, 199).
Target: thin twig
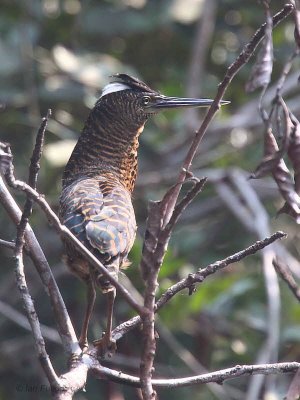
(218, 265)
(7, 244)
(285, 71)
(184, 354)
(27, 300)
(285, 274)
(198, 277)
(32, 181)
(37, 152)
(66, 233)
(155, 245)
(87, 363)
(246, 206)
(191, 362)
(65, 327)
(232, 70)
(75, 379)
(19, 270)
(188, 198)
(217, 376)
(157, 235)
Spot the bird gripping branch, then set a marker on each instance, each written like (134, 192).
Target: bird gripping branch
(98, 180)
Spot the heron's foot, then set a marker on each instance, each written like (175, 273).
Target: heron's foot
(83, 343)
(106, 346)
(74, 359)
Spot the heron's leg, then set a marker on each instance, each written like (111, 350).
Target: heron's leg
(106, 344)
(91, 297)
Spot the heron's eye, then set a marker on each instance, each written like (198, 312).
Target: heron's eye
(146, 100)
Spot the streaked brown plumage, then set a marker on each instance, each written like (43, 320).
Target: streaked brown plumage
(95, 202)
(99, 212)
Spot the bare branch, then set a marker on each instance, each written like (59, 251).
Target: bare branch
(285, 71)
(157, 236)
(33, 320)
(198, 277)
(285, 274)
(32, 181)
(162, 218)
(217, 376)
(246, 206)
(37, 152)
(75, 379)
(202, 274)
(66, 233)
(155, 245)
(35, 252)
(233, 69)
(150, 270)
(191, 361)
(19, 270)
(8, 245)
(188, 198)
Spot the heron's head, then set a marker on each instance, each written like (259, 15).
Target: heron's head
(128, 98)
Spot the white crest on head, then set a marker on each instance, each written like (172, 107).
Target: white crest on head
(114, 87)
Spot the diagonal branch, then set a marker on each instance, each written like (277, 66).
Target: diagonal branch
(188, 198)
(64, 231)
(155, 245)
(198, 277)
(285, 274)
(232, 70)
(65, 328)
(160, 214)
(211, 269)
(34, 321)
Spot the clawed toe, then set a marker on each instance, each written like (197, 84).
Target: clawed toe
(83, 343)
(73, 360)
(106, 346)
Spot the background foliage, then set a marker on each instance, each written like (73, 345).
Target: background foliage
(58, 54)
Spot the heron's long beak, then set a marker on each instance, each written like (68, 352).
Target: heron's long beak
(164, 103)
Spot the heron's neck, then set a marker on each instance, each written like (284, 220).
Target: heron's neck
(105, 146)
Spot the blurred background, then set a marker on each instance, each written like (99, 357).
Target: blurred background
(58, 54)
